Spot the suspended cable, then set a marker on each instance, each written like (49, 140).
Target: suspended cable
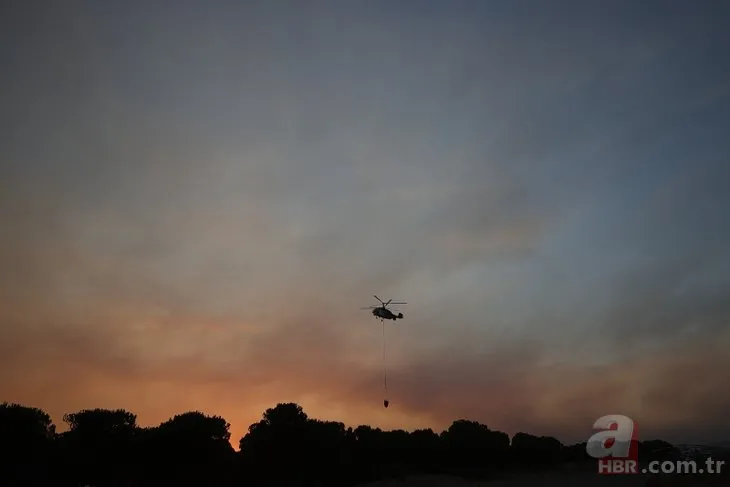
(385, 370)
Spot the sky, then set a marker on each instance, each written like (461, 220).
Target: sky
(197, 198)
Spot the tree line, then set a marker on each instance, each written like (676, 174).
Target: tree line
(107, 448)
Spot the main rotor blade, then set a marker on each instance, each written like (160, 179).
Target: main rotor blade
(377, 298)
(371, 307)
(397, 302)
(386, 304)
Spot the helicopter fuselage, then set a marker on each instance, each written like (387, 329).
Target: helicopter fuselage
(386, 314)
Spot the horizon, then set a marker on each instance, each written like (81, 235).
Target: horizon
(62, 427)
(198, 199)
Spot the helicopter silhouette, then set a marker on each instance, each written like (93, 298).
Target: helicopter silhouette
(382, 312)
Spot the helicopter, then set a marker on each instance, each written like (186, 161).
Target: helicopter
(382, 312)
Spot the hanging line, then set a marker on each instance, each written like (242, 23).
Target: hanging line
(385, 370)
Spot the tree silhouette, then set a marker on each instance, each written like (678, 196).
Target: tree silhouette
(328, 457)
(106, 448)
(473, 450)
(576, 455)
(26, 436)
(533, 452)
(275, 449)
(189, 449)
(99, 445)
(424, 451)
